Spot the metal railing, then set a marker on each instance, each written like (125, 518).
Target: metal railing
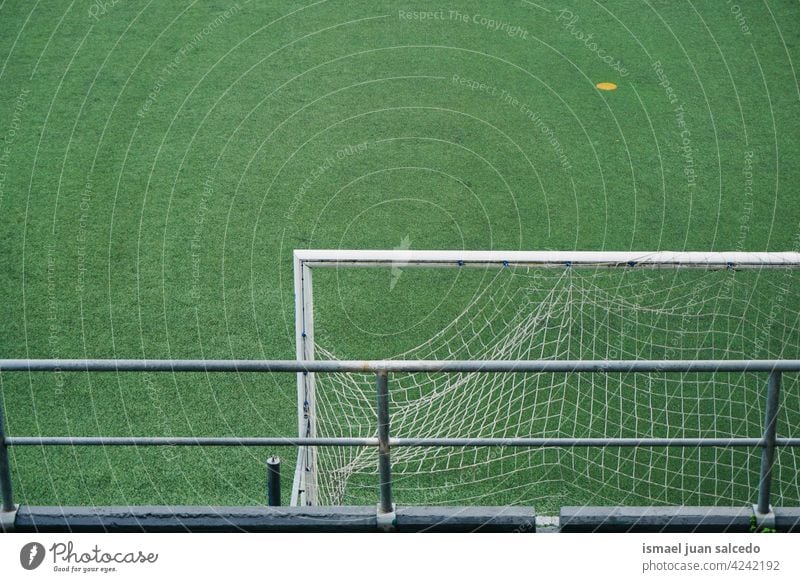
(768, 441)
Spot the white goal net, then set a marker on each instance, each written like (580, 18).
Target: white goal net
(610, 306)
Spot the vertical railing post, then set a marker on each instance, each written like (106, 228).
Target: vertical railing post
(384, 463)
(273, 481)
(7, 502)
(768, 448)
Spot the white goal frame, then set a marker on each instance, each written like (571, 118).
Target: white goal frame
(304, 487)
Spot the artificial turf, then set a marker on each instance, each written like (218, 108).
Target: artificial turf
(162, 159)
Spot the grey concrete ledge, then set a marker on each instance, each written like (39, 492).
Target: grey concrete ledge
(408, 519)
(787, 519)
(195, 519)
(655, 519)
(269, 519)
(467, 519)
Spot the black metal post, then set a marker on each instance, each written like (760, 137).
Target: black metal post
(384, 463)
(5, 470)
(274, 481)
(768, 450)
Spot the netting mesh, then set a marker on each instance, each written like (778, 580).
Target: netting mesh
(570, 313)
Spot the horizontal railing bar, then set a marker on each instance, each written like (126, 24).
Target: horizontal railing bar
(373, 366)
(140, 441)
(394, 442)
(587, 442)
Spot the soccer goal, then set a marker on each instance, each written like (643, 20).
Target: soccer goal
(520, 305)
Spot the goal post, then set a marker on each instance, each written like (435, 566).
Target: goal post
(306, 485)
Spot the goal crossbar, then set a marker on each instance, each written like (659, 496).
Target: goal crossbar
(611, 259)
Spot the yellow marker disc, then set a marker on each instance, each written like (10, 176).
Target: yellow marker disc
(606, 86)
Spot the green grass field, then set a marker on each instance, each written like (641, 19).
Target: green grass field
(163, 159)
